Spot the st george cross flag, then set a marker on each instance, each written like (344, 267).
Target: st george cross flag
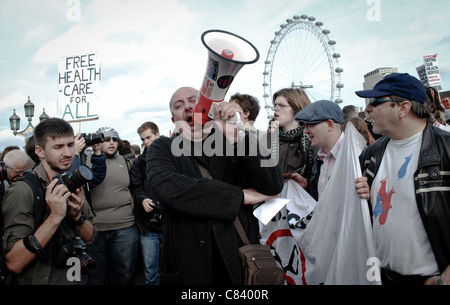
(338, 244)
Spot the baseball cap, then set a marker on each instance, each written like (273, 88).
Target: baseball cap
(320, 111)
(399, 84)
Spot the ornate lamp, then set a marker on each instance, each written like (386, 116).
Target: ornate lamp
(14, 120)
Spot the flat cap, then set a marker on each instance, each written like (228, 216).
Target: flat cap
(320, 111)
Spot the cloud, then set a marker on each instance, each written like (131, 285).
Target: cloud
(150, 48)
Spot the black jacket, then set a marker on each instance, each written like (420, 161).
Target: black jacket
(200, 241)
(140, 188)
(432, 185)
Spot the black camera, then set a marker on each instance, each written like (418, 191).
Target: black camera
(79, 177)
(93, 138)
(3, 171)
(72, 245)
(75, 247)
(155, 216)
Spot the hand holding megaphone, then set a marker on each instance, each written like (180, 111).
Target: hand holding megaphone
(227, 118)
(235, 117)
(228, 53)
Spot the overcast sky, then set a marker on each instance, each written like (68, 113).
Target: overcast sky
(150, 48)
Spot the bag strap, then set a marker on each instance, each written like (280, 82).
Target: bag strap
(204, 171)
(240, 229)
(40, 206)
(237, 222)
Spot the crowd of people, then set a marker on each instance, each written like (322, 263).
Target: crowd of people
(120, 211)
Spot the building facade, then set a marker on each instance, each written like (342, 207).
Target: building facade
(372, 78)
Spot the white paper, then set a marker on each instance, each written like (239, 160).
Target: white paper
(266, 211)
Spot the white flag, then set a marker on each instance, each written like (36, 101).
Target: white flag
(285, 229)
(338, 243)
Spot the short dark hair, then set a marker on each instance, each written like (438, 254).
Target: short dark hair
(53, 128)
(348, 111)
(148, 125)
(135, 148)
(29, 149)
(247, 103)
(419, 109)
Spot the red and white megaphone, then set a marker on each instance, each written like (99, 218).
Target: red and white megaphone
(228, 53)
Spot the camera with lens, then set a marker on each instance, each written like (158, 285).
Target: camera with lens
(78, 178)
(93, 138)
(71, 243)
(3, 171)
(75, 247)
(155, 216)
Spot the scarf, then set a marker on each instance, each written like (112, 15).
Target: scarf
(297, 136)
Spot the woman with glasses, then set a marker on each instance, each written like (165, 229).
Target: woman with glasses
(296, 154)
(295, 158)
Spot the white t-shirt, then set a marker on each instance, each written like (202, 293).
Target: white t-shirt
(401, 240)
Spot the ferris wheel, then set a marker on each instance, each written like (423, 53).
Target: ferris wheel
(303, 56)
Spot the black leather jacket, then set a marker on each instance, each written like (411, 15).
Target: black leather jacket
(432, 185)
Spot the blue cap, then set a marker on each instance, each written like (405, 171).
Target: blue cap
(320, 111)
(399, 84)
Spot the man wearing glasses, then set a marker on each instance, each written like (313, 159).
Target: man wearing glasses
(408, 174)
(116, 244)
(16, 164)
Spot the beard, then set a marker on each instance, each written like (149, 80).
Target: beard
(110, 155)
(58, 167)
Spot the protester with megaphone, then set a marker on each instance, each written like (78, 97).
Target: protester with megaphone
(200, 241)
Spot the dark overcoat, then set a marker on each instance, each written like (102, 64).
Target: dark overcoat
(200, 241)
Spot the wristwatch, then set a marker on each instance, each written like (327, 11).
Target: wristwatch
(80, 220)
(440, 281)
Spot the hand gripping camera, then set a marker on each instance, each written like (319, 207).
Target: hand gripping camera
(71, 244)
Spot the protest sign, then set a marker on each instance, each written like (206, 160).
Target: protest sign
(422, 75)
(79, 87)
(432, 70)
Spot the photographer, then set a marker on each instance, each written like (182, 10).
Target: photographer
(32, 248)
(147, 212)
(98, 164)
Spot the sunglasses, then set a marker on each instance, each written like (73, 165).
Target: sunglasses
(374, 102)
(107, 139)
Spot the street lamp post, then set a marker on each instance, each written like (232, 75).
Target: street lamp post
(14, 120)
